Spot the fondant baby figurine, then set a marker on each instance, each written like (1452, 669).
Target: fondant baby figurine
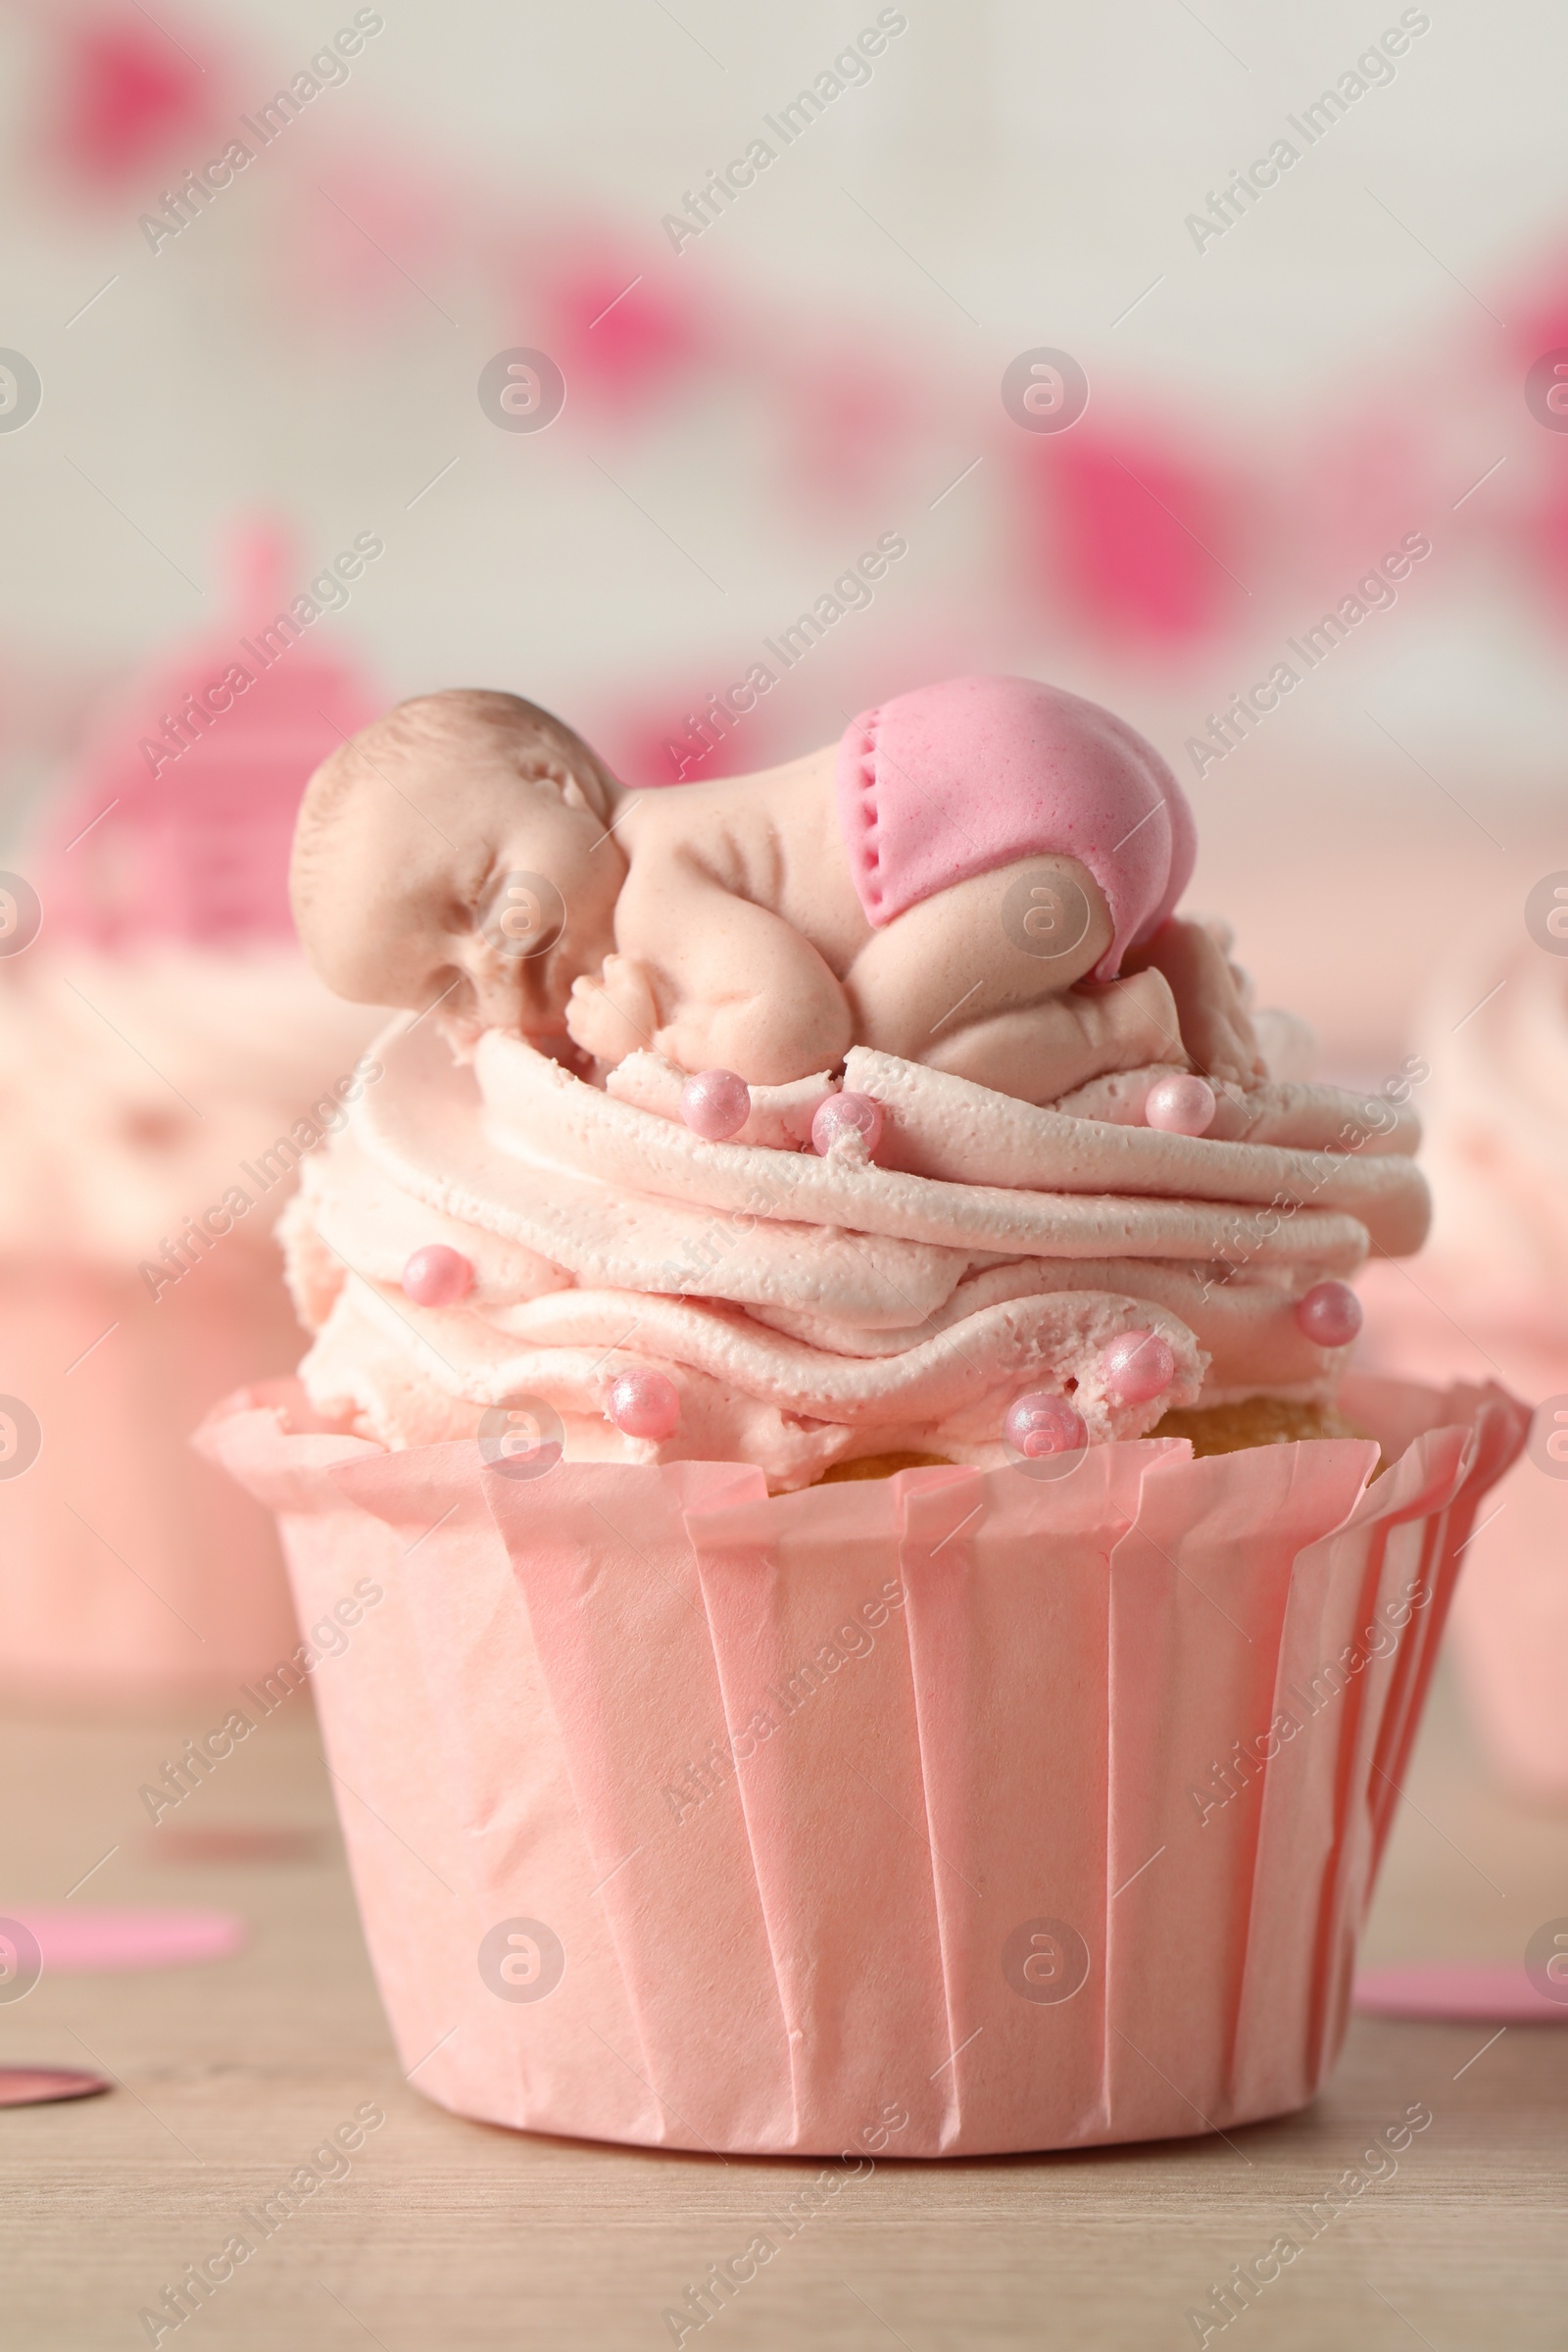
(980, 875)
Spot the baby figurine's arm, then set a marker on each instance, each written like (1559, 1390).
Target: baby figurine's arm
(712, 980)
(1216, 1032)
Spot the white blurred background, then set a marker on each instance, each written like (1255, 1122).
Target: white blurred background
(1268, 415)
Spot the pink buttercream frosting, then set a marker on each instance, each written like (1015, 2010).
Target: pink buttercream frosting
(958, 779)
(808, 1307)
(134, 1086)
(1496, 1026)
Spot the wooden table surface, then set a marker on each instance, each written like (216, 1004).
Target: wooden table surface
(450, 2234)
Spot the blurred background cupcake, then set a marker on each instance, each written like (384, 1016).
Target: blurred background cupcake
(1488, 1299)
(166, 1059)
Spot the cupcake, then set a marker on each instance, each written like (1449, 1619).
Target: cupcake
(165, 1056)
(837, 1231)
(1489, 1300)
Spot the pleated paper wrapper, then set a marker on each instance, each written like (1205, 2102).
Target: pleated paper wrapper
(997, 1867)
(1510, 1616)
(129, 1571)
(1511, 1623)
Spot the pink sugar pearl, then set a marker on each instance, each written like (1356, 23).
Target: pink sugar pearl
(848, 1115)
(644, 1403)
(1182, 1104)
(715, 1104)
(1137, 1365)
(1040, 1423)
(436, 1276)
(1330, 1313)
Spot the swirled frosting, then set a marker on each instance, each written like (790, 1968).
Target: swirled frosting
(813, 1309)
(135, 1085)
(1496, 1108)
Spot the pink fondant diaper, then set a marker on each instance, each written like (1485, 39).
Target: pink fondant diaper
(958, 779)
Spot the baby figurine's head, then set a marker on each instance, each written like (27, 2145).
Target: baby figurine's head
(459, 851)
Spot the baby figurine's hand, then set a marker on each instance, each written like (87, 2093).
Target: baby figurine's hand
(612, 1015)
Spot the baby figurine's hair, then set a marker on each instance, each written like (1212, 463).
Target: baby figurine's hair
(464, 726)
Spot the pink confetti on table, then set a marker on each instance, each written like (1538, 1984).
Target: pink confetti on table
(1475, 1991)
(39, 2085)
(225, 1842)
(79, 1943)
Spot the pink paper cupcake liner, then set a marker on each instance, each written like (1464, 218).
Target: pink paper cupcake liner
(1511, 1630)
(129, 1569)
(1511, 1614)
(951, 1813)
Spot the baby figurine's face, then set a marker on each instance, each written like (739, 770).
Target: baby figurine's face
(465, 885)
